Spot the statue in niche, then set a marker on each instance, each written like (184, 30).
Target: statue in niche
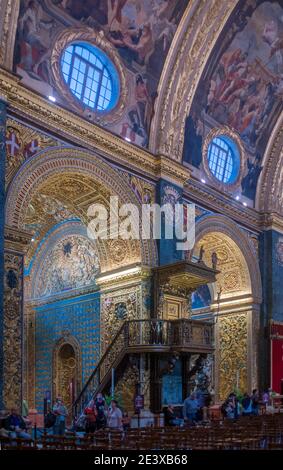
(12, 279)
(201, 254)
(214, 260)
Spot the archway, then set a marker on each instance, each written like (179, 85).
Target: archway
(66, 370)
(235, 302)
(50, 197)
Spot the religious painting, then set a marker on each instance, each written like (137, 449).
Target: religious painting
(140, 30)
(71, 263)
(244, 87)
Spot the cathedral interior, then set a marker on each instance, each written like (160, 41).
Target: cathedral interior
(151, 102)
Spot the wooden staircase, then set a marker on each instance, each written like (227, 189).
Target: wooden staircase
(145, 336)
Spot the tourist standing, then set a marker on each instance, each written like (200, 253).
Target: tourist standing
(255, 402)
(101, 411)
(90, 413)
(247, 405)
(190, 408)
(60, 410)
(114, 416)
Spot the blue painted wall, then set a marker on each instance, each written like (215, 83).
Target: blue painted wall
(271, 264)
(80, 317)
(271, 260)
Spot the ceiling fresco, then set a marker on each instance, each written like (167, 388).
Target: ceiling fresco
(141, 31)
(242, 87)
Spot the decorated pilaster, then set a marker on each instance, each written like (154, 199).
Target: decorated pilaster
(2, 215)
(12, 326)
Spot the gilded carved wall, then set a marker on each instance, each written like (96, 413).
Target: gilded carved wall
(232, 354)
(12, 324)
(116, 307)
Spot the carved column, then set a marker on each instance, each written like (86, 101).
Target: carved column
(29, 356)
(155, 384)
(12, 327)
(2, 215)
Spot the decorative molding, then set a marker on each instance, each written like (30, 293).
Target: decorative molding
(215, 201)
(123, 277)
(30, 106)
(224, 131)
(89, 35)
(17, 240)
(63, 161)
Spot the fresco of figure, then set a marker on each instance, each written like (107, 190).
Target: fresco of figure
(35, 33)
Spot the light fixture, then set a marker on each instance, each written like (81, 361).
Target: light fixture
(52, 98)
(245, 204)
(127, 139)
(203, 180)
(237, 198)
(33, 239)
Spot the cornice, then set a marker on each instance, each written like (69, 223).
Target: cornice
(272, 221)
(29, 105)
(221, 203)
(17, 240)
(118, 278)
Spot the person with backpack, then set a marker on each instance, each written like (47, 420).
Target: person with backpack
(90, 413)
(101, 411)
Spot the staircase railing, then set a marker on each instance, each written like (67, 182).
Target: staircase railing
(144, 335)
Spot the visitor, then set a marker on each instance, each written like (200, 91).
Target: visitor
(170, 418)
(190, 409)
(265, 398)
(60, 410)
(3, 423)
(247, 405)
(114, 416)
(200, 396)
(101, 411)
(16, 425)
(255, 402)
(90, 413)
(126, 421)
(229, 408)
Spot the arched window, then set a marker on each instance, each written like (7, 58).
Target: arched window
(91, 76)
(223, 159)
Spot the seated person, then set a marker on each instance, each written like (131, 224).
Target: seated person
(16, 426)
(3, 417)
(170, 417)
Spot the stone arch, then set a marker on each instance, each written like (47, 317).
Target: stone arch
(69, 230)
(269, 196)
(193, 43)
(237, 314)
(56, 162)
(239, 242)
